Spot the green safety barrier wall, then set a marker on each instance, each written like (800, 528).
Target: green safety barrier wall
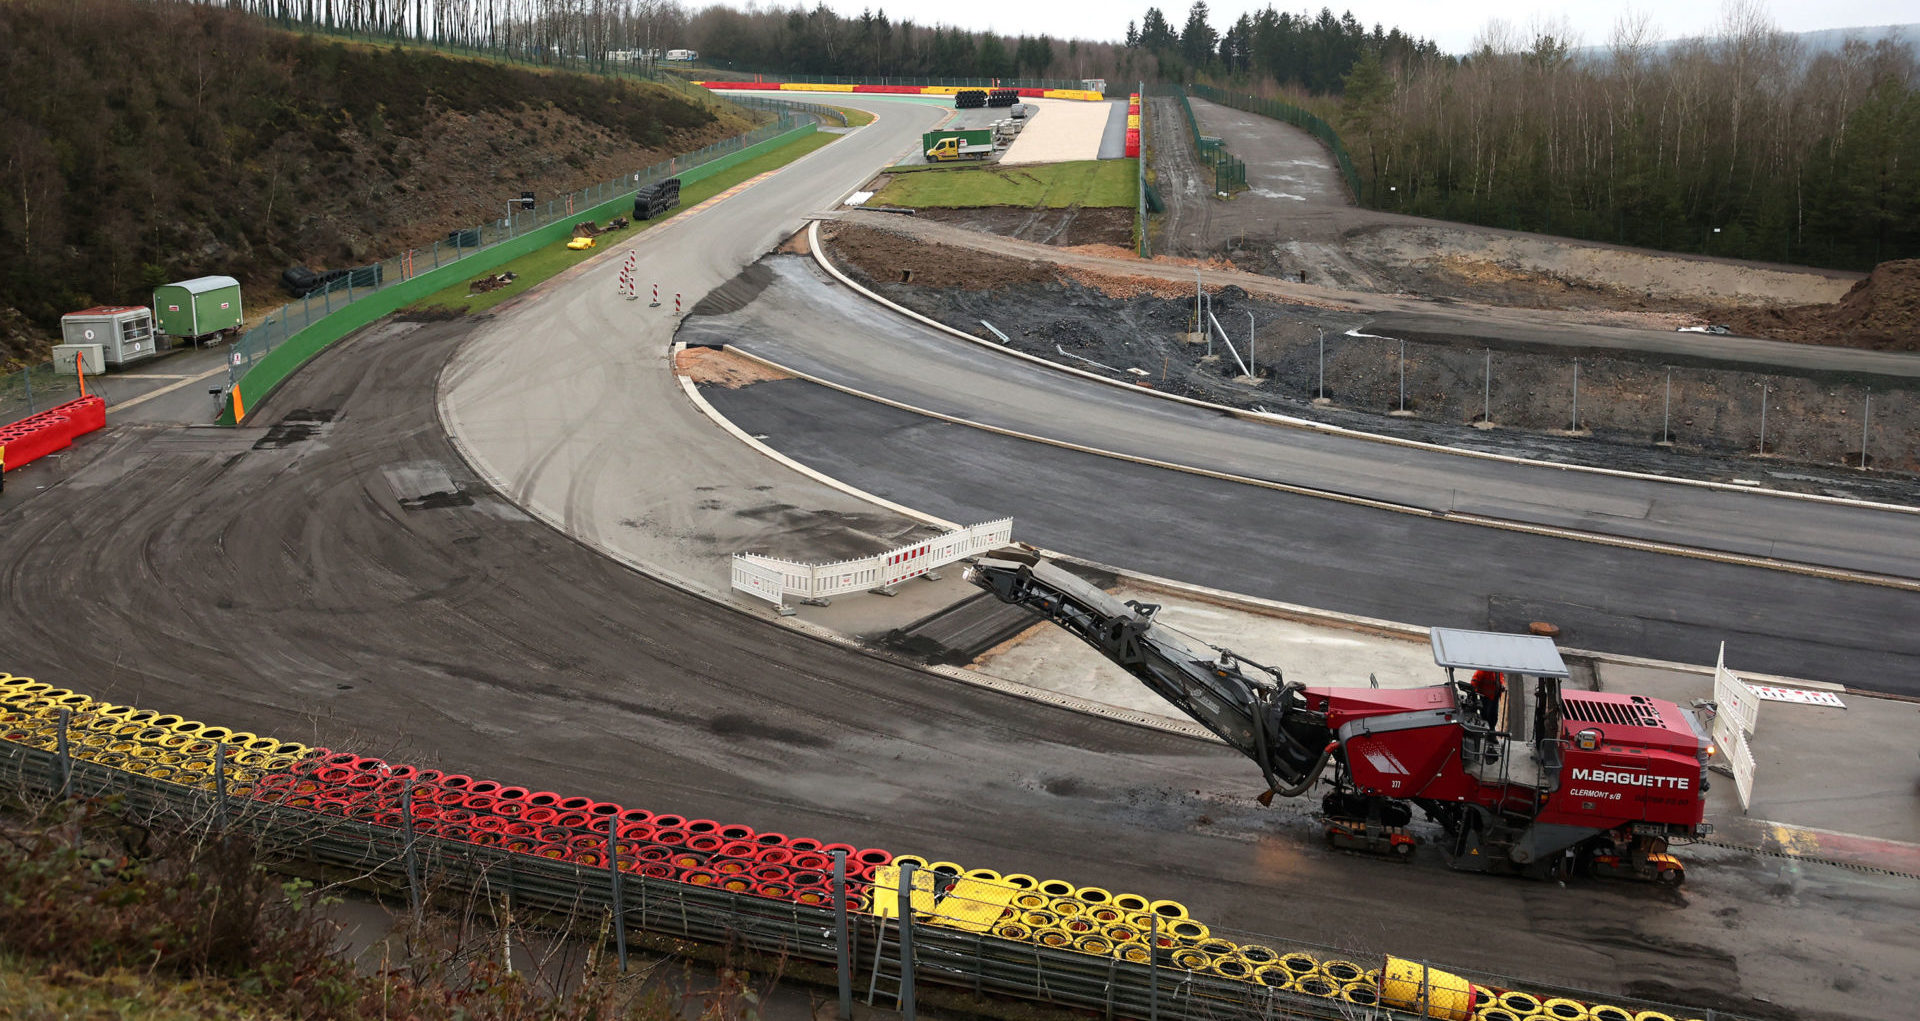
(270, 372)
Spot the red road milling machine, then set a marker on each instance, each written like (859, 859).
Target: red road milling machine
(1540, 783)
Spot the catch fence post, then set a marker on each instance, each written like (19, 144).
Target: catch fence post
(1763, 416)
(619, 906)
(1666, 409)
(906, 941)
(26, 377)
(843, 962)
(1865, 417)
(1153, 967)
(65, 751)
(412, 859)
(1486, 411)
(1576, 396)
(220, 782)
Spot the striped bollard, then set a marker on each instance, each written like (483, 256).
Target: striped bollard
(655, 303)
(676, 303)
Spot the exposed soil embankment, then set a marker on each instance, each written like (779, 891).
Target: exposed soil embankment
(1140, 331)
(1881, 312)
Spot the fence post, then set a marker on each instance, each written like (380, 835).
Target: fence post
(1576, 396)
(1153, 967)
(65, 751)
(220, 782)
(26, 377)
(619, 906)
(1763, 416)
(1322, 395)
(1486, 410)
(906, 941)
(1865, 417)
(412, 859)
(843, 963)
(1666, 408)
(1403, 376)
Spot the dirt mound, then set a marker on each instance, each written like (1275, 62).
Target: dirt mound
(883, 256)
(1881, 313)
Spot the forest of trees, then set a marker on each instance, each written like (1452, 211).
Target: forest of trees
(1736, 145)
(1307, 52)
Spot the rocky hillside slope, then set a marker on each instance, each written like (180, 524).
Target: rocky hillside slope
(141, 143)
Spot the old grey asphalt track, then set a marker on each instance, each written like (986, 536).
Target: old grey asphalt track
(274, 579)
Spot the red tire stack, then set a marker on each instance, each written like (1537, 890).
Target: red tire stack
(453, 806)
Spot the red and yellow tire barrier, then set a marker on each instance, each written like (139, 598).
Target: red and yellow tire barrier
(734, 857)
(1082, 95)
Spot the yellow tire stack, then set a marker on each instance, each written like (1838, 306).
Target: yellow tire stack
(144, 742)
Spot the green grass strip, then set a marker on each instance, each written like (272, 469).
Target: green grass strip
(270, 372)
(555, 258)
(1085, 183)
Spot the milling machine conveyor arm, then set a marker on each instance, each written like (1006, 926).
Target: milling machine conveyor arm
(1263, 719)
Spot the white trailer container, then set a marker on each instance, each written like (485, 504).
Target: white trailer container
(124, 332)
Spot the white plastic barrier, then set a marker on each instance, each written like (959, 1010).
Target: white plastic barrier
(773, 579)
(1736, 713)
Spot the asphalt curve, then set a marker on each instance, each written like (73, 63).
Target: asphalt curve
(1340, 557)
(339, 577)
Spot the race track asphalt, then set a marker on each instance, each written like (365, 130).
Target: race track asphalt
(339, 577)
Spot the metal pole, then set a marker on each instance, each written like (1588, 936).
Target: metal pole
(412, 859)
(906, 940)
(613, 881)
(1153, 967)
(1323, 365)
(1865, 417)
(220, 781)
(26, 377)
(1576, 395)
(1403, 375)
(842, 958)
(1486, 410)
(65, 751)
(1763, 417)
(1251, 359)
(1666, 410)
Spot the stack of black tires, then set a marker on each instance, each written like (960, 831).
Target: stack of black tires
(300, 281)
(656, 198)
(1003, 97)
(969, 99)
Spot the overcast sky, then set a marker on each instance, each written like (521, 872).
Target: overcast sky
(1451, 23)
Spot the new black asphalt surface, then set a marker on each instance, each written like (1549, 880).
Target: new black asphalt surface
(1345, 557)
(339, 577)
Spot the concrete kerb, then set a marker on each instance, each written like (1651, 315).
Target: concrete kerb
(1292, 422)
(1482, 521)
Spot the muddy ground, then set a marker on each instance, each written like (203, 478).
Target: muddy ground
(1295, 217)
(1711, 417)
(1066, 227)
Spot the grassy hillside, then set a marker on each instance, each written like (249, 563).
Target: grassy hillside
(141, 143)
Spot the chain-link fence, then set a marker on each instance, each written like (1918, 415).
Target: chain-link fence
(1229, 172)
(1291, 114)
(976, 930)
(33, 389)
(1814, 419)
(515, 220)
